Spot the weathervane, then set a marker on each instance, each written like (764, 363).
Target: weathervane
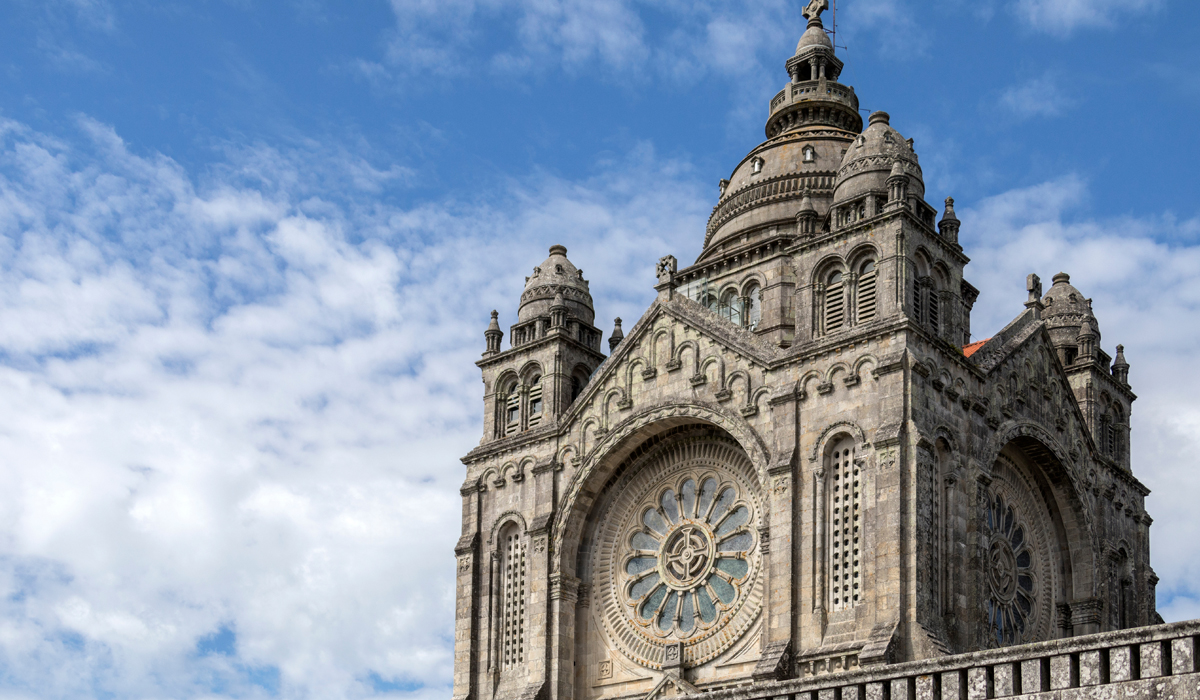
(815, 8)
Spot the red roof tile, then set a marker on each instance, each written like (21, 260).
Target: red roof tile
(970, 349)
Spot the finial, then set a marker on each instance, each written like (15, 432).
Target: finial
(558, 250)
(1121, 356)
(493, 335)
(617, 335)
(558, 301)
(1120, 368)
(495, 324)
(814, 9)
(1061, 278)
(949, 209)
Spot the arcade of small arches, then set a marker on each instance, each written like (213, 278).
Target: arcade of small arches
(521, 397)
(740, 304)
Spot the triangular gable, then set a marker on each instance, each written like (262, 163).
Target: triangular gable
(670, 686)
(733, 338)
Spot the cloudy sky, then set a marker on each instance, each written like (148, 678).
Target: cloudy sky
(248, 249)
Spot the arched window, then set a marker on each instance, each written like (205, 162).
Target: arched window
(1117, 430)
(810, 155)
(535, 400)
(753, 311)
(511, 606)
(835, 308)
(845, 506)
(731, 307)
(511, 404)
(709, 301)
(866, 292)
(934, 310)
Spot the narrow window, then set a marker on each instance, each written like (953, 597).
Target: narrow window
(934, 311)
(535, 402)
(512, 618)
(835, 312)
(753, 312)
(512, 410)
(731, 307)
(844, 519)
(810, 155)
(918, 302)
(866, 293)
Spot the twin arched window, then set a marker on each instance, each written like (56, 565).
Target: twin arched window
(743, 310)
(513, 408)
(849, 300)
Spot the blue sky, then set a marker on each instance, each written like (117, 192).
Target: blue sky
(248, 250)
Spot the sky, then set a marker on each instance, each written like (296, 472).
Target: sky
(248, 250)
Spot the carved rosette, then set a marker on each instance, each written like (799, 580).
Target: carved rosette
(679, 558)
(1017, 560)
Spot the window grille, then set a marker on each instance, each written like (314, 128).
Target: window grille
(866, 293)
(934, 311)
(513, 613)
(844, 514)
(535, 403)
(835, 311)
(512, 412)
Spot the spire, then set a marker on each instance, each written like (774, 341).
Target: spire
(806, 218)
(949, 224)
(617, 335)
(1120, 368)
(494, 335)
(558, 312)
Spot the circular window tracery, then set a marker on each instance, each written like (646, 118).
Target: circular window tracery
(687, 560)
(677, 556)
(1018, 556)
(1011, 576)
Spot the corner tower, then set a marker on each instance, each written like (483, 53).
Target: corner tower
(554, 349)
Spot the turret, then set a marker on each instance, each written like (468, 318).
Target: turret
(617, 335)
(1120, 368)
(949, 224)
(554, 349)
(493, 335)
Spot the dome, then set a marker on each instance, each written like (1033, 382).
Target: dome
(1066, 311)
(814, 36)
(878, 153)
(557, 276)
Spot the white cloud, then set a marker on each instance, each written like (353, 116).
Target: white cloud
(1038, 97)
(237, 402)
(607, 37)
(1065, 16)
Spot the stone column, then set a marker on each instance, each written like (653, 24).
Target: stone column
(466, 553)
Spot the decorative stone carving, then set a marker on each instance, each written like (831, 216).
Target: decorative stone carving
(678, 556)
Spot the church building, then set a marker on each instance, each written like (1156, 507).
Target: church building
(798, 474)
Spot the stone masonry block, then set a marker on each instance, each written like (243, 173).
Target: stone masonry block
(929, 687)
(851, 692)
(1120, 664)
(1063, 673)
(1152, 660)
(977, 683)
(901, 689)
(827, 694)
(875, 691)
(1090, 668)
(1031, 676)
(1183, 655)
(954, 686)
(1002, 680)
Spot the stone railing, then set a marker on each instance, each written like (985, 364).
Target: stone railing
(814, 90)
(1147, 663)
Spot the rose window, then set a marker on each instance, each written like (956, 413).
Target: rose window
(1011, 575)
(676, 555)
(688, 557)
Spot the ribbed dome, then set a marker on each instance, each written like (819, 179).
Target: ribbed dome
(556, 276)
(1066, 310)
(873, 157)
(814, 36)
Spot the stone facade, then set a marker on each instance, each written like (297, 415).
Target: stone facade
(797, 465)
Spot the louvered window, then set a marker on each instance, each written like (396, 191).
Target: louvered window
(918, 302)
(845, 496)
(835, 307)
(512, 412)
(866, 293)
(535, 402)
(934, 311)
(512, 619)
